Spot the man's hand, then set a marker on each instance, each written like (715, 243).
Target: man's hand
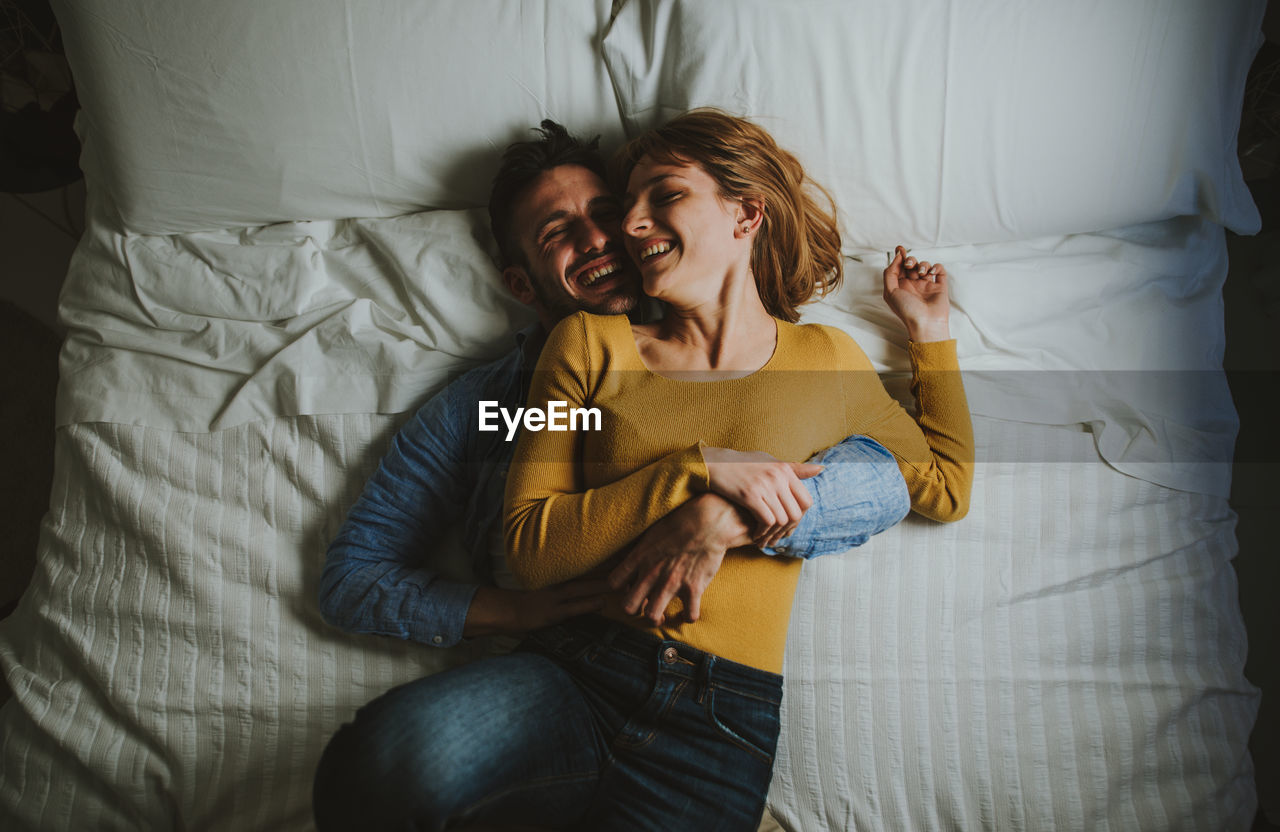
(501, 612)
(678, 556)
(763, 485)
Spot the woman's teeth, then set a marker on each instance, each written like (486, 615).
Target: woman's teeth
(653, 250)
(595, 274)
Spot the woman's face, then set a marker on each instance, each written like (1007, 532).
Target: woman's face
(685, 238)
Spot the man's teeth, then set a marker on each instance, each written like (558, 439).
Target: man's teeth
(656, 248)
(595, 274)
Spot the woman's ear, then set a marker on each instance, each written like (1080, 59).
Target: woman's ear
(750, 215)
(519, 284)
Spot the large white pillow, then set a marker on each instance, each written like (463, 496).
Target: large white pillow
(935, 122)
(205, 115)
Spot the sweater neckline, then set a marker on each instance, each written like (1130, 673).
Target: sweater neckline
(774, 358)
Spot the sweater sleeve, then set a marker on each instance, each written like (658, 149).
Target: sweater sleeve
(934, 450)
(556, 528)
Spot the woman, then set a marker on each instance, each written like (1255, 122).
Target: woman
(728, 236)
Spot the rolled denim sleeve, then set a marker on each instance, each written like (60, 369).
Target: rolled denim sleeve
(859, 493)
(377, 575)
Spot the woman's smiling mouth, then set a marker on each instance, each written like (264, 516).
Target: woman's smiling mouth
(654, 249)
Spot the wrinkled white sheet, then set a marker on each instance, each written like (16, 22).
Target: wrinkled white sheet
(204, 331)
(1121, 331)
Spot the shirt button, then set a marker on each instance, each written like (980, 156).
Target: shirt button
(437, 639)
(502, 474)
(670, 655)
(782, 550)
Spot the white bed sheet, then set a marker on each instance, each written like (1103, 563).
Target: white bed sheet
(1068, 657)
(1121, 331)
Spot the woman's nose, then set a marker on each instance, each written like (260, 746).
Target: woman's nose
(636, 221)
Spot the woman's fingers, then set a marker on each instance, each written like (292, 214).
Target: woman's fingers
(789, 506)
(912, 269)
(893, 271)
(771, 490)
(803, 498)
(765, 517)
(804, 470)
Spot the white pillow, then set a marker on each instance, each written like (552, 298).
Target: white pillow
(936, 123)
(210, 115)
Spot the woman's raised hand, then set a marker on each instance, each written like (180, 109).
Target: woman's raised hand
(916, 291)
(766, 487)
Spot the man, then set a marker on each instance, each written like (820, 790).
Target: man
(557, 229)
(486, 742)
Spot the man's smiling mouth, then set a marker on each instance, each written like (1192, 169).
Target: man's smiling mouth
(590, 277)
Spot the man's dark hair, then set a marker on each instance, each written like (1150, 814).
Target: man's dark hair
(522, 163)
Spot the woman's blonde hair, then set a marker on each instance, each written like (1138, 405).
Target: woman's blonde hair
(797, 251)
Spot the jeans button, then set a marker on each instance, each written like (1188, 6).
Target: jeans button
(670, 655)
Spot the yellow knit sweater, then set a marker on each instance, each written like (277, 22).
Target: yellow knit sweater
(575, 499)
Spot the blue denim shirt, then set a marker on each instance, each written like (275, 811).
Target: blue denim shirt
(382, 575)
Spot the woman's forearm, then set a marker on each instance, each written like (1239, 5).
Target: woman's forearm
(556, 529)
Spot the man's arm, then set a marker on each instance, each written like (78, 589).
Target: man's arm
(378, 577)
(860, 493)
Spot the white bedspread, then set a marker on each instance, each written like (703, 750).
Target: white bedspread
(1068, 657)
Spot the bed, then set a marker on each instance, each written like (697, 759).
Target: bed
(286, 252)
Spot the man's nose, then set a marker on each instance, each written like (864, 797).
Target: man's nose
(592, 236)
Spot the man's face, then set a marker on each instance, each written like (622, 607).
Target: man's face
(568, 226)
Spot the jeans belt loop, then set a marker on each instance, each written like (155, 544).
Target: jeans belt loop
(704, 676)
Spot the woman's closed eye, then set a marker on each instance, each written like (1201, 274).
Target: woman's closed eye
(667, 197)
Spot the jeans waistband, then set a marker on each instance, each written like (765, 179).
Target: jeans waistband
(679, 658)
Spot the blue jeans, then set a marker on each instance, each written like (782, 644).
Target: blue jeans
(590, 725)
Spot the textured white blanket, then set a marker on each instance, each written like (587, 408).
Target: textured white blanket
(1068, 657)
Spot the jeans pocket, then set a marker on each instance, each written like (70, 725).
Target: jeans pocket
(749, 723)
